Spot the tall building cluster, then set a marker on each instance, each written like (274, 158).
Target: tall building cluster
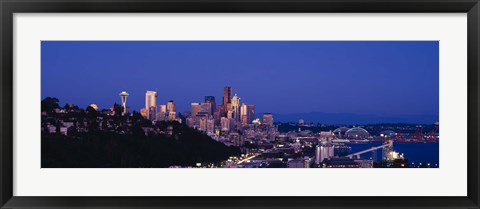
(155, 112)
(230, 115)
(232, 121)
(207, 116)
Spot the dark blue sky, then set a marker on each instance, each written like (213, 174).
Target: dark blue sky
(362, 77)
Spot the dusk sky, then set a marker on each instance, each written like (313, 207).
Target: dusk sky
(361, 77)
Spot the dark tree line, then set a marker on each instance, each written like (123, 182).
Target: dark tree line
(185, 147)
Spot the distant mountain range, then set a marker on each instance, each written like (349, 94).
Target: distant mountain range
(352, 119)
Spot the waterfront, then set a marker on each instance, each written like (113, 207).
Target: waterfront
(415, 152)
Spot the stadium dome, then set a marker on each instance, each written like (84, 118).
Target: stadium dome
(340, 131)
(357, 132)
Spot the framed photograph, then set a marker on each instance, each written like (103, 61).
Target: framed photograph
(239, 104)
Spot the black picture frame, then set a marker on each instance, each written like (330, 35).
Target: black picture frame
(9, 7)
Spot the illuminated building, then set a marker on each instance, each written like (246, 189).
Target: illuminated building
(340, 132)
(357, 133)
(237, 139)
(171, 106)
(144, 112)
(268, 119)
(340, 163)
(229, 114)
(206, 108)
(244, 120)
(124, 96)
(152, 113)
(227, 98)
(161, 112)
(226, 123)
(326, 135)
(300, 163)
(207, 125)
(195, 109)
(301, 121)
(203, 124)
(94, 106)
(324, 150)
(236, 108)
(217, 114)
(171, 110)
(211, 126)
(172, 116)
(151, 104)
(247, 113)
(211, 100)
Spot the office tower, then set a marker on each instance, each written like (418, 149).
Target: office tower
(124, 96)
(171, 106)
(207, 125)
(221, 111)
(247, 113)
(161, 112)
(211, 125)
(171, 110)
(206, 108)
(227, 98)
(226, 123)
(151, 104)
(244, 120)
(152, 113)
(196, 108)
(236, 108)
(217, 115)
(268, 119)
(211, 100)
(203, 124)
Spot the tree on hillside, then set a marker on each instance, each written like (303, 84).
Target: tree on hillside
(49, 104)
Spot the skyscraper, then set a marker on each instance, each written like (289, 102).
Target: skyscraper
(268, 119)
(171, 110)
(247, 113)
(124, 96)
(206, 108)
(236, 108)
(195, 109)
(151, 104)
(161, 112)
(211, 100)
(226, 123)
(227, 98)
(171, 106)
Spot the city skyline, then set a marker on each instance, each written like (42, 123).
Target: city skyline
(423, 101)
(240, 104)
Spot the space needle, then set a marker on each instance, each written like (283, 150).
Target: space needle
(124, 96)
